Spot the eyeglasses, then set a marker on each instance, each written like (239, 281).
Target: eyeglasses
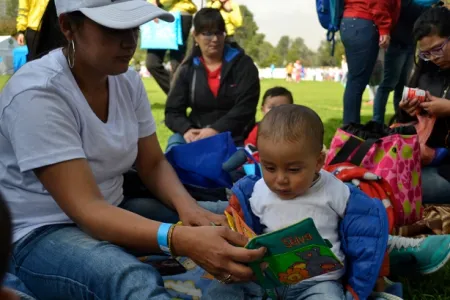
(436, 52)
(209, 35)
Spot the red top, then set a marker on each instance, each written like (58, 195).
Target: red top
(250, 143)
(213, 78)
(384, 13)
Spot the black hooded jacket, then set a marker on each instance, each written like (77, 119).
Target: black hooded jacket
(234, 108)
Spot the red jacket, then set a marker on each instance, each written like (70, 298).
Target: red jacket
(250, 143)
(384, 13)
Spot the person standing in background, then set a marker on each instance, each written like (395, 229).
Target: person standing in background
(155, 57)
(398, 60)
(231, 14)
(365, 27)
(28, 20)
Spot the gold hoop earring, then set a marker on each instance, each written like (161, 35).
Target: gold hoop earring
(71, 54)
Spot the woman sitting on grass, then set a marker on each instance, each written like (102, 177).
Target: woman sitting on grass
(71, 123)
(219, 83)
(432, 35)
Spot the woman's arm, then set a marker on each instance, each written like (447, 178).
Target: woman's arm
(385, 14)
(247, 97)
(235, 16)
(178, 102)
(73, 187)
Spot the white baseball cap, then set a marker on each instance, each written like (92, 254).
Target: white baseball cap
(115, 14)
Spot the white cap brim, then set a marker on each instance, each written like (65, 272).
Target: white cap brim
(126, 15)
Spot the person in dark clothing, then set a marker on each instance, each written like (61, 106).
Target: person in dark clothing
(399, 59)
(432, 34)
(155, 57)
(218, 82)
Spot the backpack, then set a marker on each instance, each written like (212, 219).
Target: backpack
(371, 184)
(393, 154)
(330, 14)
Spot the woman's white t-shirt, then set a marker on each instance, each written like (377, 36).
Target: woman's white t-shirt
(45, 119)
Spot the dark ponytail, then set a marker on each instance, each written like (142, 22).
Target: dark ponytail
(434, 21)
(50, 36)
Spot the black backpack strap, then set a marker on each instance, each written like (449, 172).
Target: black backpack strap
(349, 147)
(362, 151)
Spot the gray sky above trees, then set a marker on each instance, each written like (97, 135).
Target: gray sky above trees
(295, 18)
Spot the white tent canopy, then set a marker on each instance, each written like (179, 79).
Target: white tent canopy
(7, 45)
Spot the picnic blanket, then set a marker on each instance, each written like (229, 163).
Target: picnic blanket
(436, 220)
(190, 285)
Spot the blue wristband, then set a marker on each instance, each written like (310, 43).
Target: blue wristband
(163, 239)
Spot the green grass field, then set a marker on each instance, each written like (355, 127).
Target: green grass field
(326, 99)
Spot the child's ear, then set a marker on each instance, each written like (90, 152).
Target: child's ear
(320, 161)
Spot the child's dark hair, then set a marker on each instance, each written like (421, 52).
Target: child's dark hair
(276, 92)
(434, 21)
(5, 237)
(50, 36)
(293, 123)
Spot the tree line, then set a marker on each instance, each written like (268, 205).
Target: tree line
(265, 54)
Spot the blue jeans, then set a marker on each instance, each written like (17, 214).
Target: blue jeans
(325, 290)
(397, 66)
(360, 38)
(435, 188)
(175, 140)
(64, 262)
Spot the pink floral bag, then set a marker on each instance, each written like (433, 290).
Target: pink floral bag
(396, 158)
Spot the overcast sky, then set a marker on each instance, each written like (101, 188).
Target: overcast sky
(296, 18)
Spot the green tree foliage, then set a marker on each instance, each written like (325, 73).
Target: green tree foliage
(282, 50)
(324, 54)
(11, 8)
(8, 22)
(265, 54)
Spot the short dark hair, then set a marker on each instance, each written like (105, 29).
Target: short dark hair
(293, 123)
(5, 237)
(277, 91)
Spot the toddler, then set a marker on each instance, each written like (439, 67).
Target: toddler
(294, 187)
(273, 97)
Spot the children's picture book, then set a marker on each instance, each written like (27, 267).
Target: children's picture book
(294, 253)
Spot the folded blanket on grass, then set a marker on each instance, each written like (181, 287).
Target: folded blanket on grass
(435, 221)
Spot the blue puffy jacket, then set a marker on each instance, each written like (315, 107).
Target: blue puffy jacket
(363, 232)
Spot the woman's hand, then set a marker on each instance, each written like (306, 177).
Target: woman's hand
(218, 250)
(191, 135)
(410, 107)
(384, 41)
(226, 5)
(435, 106)
(195, 215)
(205, 132)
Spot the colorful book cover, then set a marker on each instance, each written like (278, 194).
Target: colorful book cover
(294, 253)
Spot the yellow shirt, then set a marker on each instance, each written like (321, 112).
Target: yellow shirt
(183, 6)
(233, 19)
(30, 13)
